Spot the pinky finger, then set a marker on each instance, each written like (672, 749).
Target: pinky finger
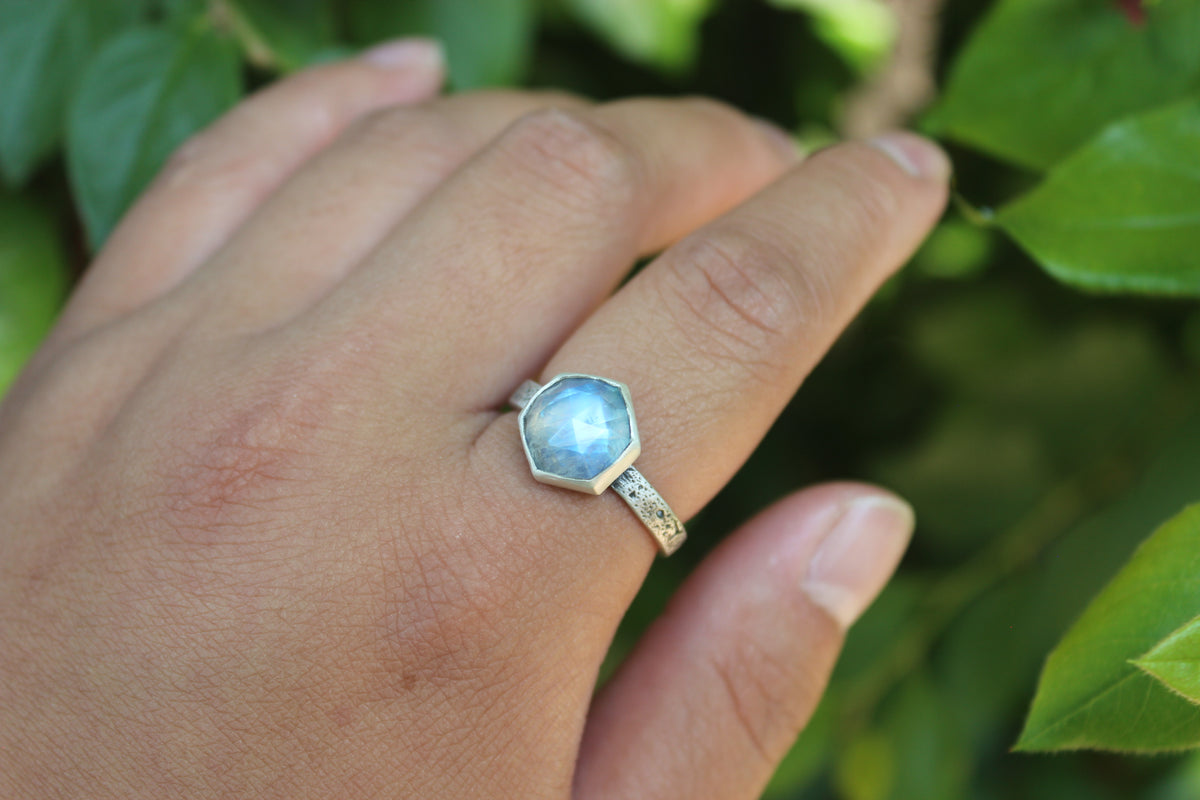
(216, 180)
(716, 691)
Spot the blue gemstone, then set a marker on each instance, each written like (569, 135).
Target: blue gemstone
(577, 427)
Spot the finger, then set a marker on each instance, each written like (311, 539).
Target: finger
(506, 257)
(335, 210)
(715, 693)
(213, 182)
(715, 336)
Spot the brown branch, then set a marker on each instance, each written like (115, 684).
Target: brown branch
(905, 83)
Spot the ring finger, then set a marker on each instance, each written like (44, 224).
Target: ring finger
(715, 336)
(336, 209)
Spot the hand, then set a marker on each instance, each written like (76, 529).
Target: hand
(267, 530)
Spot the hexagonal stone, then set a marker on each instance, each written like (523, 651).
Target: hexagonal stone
(577, 427)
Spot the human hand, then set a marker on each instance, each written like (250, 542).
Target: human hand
(268, 532)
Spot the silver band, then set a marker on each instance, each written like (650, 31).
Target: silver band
(649, 506)
(524, 393)
(651, 509)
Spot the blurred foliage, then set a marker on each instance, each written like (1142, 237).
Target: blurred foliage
(33, 280)
(1041, 77)
(862, 31)
(145, 92)
(1041, 433)
(663, 34)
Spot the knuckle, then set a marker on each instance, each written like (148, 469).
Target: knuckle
(315, 101)
(717, 110)
(414, 130)
(72, 391)
(246, 462)
(509, 100)
(876, 208)
(739, 292)
(581, 160)
(710, 104)
(189, 161)
(204, 164)
(387, 125)
(869, 203)
(249, 463)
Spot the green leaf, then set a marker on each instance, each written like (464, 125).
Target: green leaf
(1090, 694)
(1122, 213)
(1176, 661)
(487, 44)
(45, 45)
(143, 95)
(660, 33)
(33, 281)
(1040, 77)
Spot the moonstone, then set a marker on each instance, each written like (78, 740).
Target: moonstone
(577, 427)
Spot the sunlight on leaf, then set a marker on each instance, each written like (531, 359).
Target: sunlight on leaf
(1090, 694)
(1176, 661)
(865, 768)
(1039, 77)
(1123, 213)
(662, 33)
(862, 31)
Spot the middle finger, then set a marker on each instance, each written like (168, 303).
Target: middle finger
(496, 268)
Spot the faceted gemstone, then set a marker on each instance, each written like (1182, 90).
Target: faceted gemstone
(577, 427)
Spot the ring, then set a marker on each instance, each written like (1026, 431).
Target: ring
(579, 433)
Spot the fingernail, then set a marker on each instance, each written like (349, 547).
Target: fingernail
(425, 55)
(857, 555)
(914, 154)
(781, 140)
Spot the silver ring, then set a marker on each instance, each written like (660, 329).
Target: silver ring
(579, 433)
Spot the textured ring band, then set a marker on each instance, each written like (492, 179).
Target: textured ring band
(579, 433)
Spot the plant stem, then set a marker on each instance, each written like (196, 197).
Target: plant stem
(982, 217)
(227, 16)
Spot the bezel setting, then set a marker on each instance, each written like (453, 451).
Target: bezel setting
(598, 484)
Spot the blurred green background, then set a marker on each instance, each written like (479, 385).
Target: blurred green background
(1040, 432)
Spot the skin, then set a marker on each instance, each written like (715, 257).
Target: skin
(266, 528)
